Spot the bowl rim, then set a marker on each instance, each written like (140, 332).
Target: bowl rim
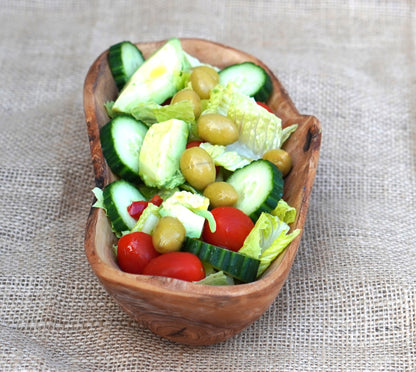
(277, 272)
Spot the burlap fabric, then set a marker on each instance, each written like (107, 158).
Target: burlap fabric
(350, 301)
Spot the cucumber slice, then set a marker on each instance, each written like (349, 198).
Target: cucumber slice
(239, 266)
(121, 140)
(250, 79)
(124, 59)
(117, 196)
(259, 186)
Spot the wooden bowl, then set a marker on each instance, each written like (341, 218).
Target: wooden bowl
(181, 311)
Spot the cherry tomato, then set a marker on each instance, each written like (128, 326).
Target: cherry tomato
(179, 265)
(233, 226)
(262, 104)
(134, 252)
(156, 200)
(136, 208)
(193, 144)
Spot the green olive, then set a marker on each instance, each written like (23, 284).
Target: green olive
(189, 95)
(221, 194)
(197, 167)
(281, 159)
(217, 129)
(203, 79)
(168, 235)
(210, 71)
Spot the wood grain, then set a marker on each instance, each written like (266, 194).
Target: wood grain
(176, 310)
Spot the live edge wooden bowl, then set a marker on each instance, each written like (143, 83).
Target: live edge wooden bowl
(180, 311)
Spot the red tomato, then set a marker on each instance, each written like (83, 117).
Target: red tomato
(156, 200)
(233, 226)
(179, 265)
(134, 252)
(136, 208)
(262, 104)
(193, 144)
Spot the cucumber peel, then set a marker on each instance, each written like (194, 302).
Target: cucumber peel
(259, 186)
(237, 265)
(124, 59)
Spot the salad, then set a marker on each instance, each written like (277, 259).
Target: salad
(199, 165)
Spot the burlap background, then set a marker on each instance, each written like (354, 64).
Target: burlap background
(350, 301)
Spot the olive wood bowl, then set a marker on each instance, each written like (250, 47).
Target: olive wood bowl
(177, 310)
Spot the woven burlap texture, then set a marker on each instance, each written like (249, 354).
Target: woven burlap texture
(349, 303)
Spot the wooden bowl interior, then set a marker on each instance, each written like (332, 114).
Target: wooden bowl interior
(180, 311)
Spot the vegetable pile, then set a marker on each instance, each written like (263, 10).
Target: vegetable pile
(200, 167)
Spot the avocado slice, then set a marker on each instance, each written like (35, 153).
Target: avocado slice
(160, 154)
(157, 79)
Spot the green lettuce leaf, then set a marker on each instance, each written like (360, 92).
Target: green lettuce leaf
(267, 240)
(284, 211)
(151, 112)
(182, 110)
(98, 193)
(205, 214)
(99, 203)
(145, 112)
(230, 160)
(148, 219)
(217, 278)
(109, 108)
(260, 130)
(195, 62)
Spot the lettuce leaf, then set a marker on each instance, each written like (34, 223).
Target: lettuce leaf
(267, 240)
(148, 219)
(260, 130)
(144, 111)
(195, 62)
(182, 110)
(99, 203)
(109, 109)
(230, 160)
(284, 211)
(217, 278)
(151, 112)
(98, 193)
